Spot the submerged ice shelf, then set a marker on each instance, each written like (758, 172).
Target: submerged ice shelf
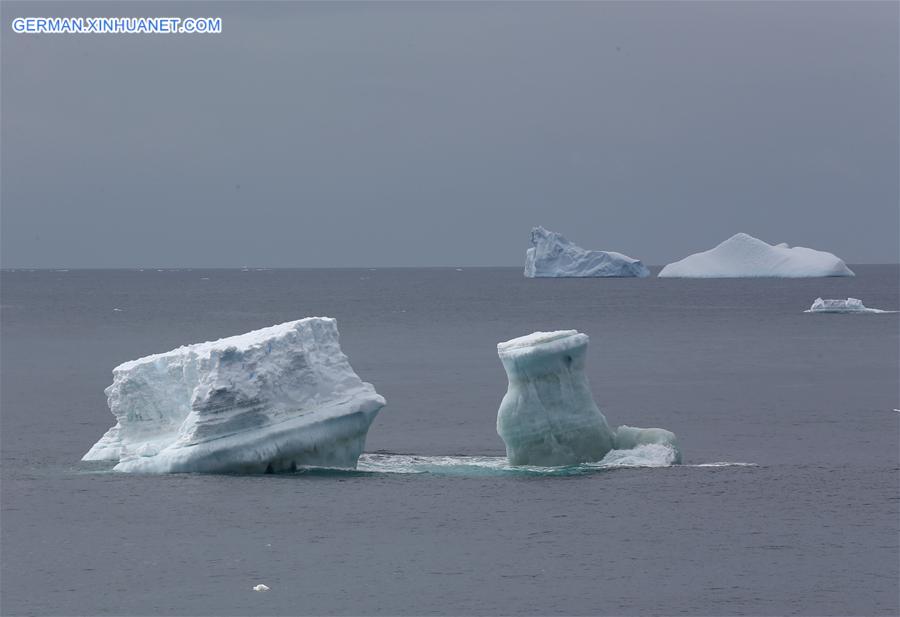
(743, 256)
(644, 456)
(548, 417)
(270, 400)
(552, 255)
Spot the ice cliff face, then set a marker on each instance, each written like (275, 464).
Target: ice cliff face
(269, 400)
(552, 255)
(548, 416)
(745, 256)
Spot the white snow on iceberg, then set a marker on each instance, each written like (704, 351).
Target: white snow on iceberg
(552, 255)
(270, 400)
(850, 305)
(743, 256)
(548, 416)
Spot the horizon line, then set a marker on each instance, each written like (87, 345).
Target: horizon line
(158, 268)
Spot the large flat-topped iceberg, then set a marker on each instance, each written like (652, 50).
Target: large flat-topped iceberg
(552, 255)
(270, 400)
(548, 416)
(743, 256)
(850, 305)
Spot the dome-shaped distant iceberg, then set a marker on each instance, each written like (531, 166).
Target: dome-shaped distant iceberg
(270, 400)
(850, 305)
(552, 255)
(548, 416)
(743, 256)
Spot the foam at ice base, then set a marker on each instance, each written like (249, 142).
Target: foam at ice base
(552, 255)
(269, 400)
(743, 256)
(643, 455)
(548, 416)
(850, 305)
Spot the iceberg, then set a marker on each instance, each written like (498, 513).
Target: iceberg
(552, 255)
(269, 400)
(548, 417)
(743, 256)
(850, 305)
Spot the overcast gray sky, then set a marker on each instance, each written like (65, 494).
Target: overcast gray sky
(421, 134)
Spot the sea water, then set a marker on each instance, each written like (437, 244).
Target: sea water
(788, 501)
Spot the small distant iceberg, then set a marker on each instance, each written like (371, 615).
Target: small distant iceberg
(270, 400)
(850, 305)
(743, 256)
(552, 255)
(548, 417)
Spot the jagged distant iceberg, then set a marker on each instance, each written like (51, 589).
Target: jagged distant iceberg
(743, 256)
(850, 305)
(552, 255)
(548, 416)
(270, 400)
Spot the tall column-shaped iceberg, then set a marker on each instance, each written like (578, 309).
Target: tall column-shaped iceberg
(270, 400)
(548, 416)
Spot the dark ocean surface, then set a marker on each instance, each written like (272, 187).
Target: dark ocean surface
(733, 367)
